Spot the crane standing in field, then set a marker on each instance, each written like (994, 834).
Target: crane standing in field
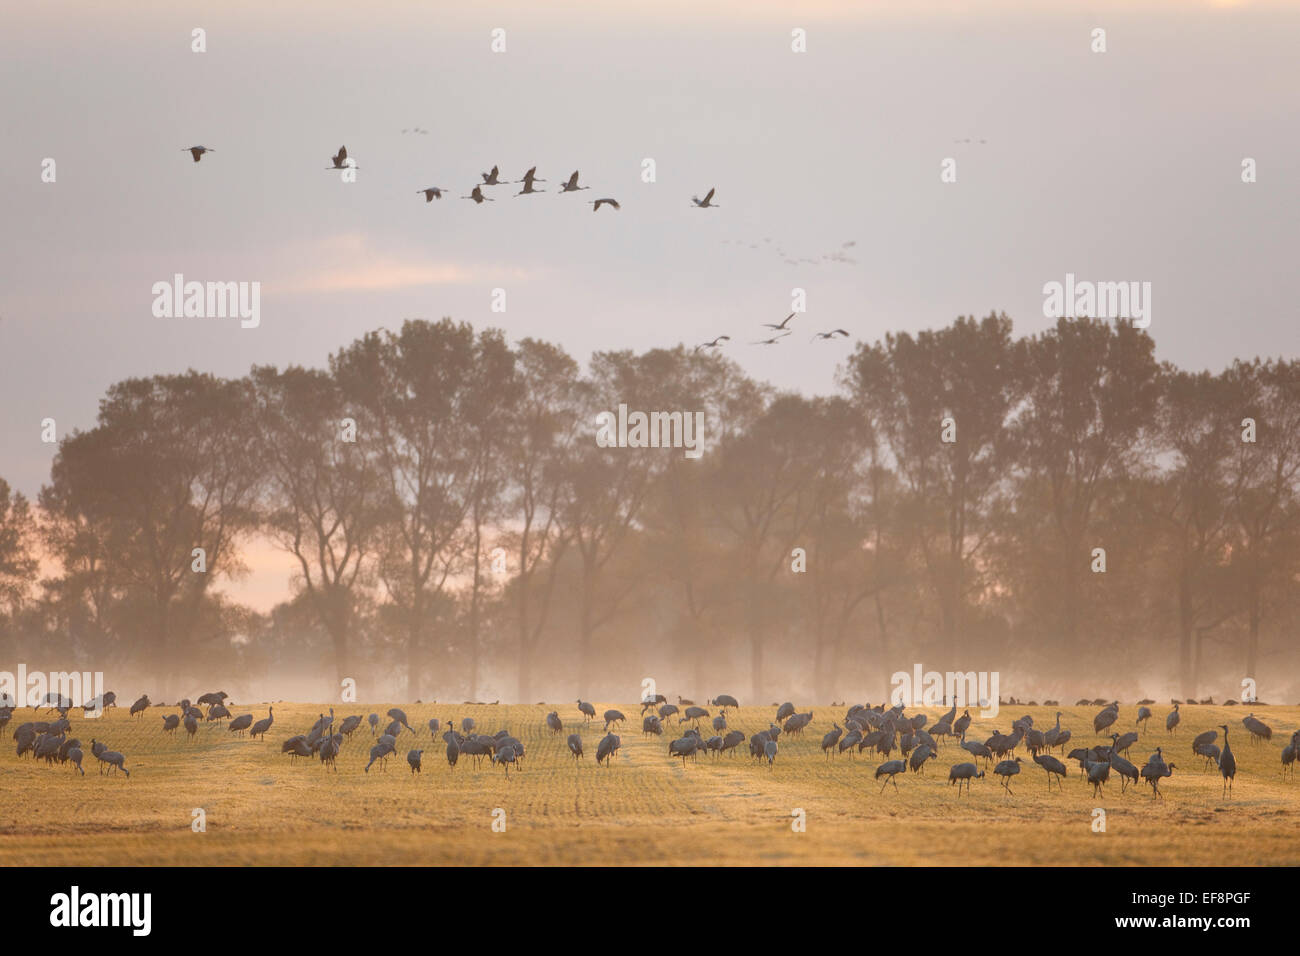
(684, 747)
(399, 715)
(1052, 766)
(112, 759)
(381, 752)
(1289, 754)
(262, 726)
(889, 770)
(1109, 714)
(1227, 763)
(962, 724)
(1259, 731)
(1123, 742)
(919, 756)
(1127, 771)
(347, 728)
(241, 723)
(607, 747)
(1098, 774)
(1153, 771)
(1006, 770)
(963, 772)
(329, 751)
(830, 740)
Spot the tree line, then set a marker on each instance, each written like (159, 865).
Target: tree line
(1062, 508)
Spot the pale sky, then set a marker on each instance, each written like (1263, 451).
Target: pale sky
(1124, 165)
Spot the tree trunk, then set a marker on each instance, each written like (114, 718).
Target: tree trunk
(163, 660)
(584, 635)
(1070, 602)
(754, 627)
(413, 661)
(473, 611)
(884, 642)
(336, 625)
(1252, 639)
(524, 681)
(1185, 631)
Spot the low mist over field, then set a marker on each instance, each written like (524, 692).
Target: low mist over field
(459, 518)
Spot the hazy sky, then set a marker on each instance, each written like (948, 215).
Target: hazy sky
(1116, 166)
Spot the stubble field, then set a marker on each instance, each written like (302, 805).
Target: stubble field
(261, 807)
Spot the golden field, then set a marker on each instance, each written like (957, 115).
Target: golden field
(647, 808)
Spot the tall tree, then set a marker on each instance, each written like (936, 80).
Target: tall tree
(540, 434)
(685, 543)
(1265, 474)
(166, 483)
(604, 491)
(419, 393)
(763, 494)
(1191, 506)
(1092, 390)
(958, 383)
(322, 494)
(488, 422)
(18, 564)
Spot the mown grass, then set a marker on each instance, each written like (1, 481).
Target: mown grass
(263, 808)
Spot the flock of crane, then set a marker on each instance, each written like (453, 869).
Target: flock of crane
(886, 730)
(782, 330)
(341, 161)
(865, 729)
(880, 730)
